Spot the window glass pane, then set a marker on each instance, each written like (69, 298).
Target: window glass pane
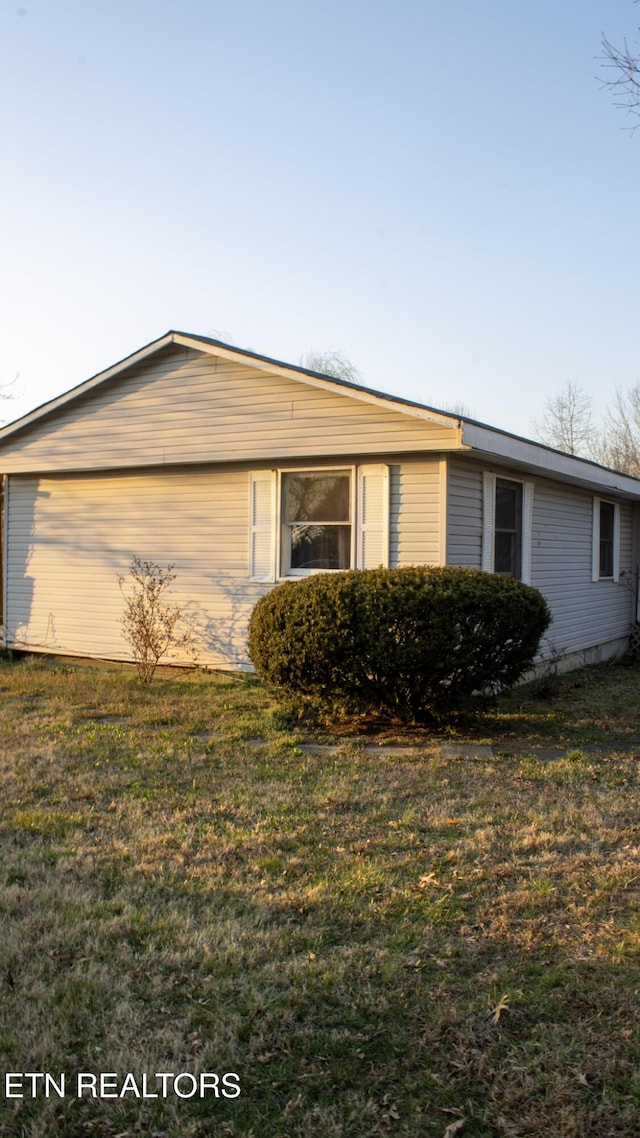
(506, 554)
(317, 530)
(607, 526)
(607, 514)
(320, 547)
(507, 505)
(508, 528)
(317, 497)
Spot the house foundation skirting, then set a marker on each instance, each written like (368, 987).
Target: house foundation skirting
(597, 654)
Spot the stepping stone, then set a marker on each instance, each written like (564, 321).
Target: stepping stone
(316, 748)
(397, 751)
(467, 751)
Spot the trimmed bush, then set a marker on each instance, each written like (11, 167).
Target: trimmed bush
(411, 643)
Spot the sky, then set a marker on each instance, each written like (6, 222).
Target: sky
(442, 191)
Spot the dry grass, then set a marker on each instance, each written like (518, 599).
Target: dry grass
(378, 944)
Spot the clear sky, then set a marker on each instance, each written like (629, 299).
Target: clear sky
(440, 190)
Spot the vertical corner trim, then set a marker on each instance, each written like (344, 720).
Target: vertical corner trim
(444, 510)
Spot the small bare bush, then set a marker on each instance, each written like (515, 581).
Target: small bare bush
(149, 624)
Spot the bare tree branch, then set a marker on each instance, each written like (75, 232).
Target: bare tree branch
(567, 422)
(334, 363)
(619, 445)
(624, 63)
(6, 391)
(568, 425)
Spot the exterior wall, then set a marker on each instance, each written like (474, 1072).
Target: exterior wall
(183, 406)
(588, 615)
(464, 515)
(70, 536)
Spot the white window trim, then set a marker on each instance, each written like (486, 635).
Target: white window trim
(283, 528)
(489, 479)
(595, 549)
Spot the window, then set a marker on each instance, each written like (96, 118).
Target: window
(507, 526)
(508, 529)
(607, 530)
(317, 520)
(606, 540)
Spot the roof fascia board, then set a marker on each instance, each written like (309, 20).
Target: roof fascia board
(315, 379)
(543, 460)
(88, 385)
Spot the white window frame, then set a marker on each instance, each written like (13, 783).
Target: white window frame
(285, 572)
(595, 552)
(489, 480)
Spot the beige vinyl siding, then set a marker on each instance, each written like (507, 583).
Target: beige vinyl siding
(586, 614)
(186, 406)
(69, 536)
(72, 536)
(415, 513)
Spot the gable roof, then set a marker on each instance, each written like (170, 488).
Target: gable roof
(489, 443)
(227, 351)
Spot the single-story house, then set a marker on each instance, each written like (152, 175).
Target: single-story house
(243, 471)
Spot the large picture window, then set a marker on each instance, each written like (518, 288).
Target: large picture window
(316, 521)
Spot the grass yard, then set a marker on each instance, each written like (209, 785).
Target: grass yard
(376, 940)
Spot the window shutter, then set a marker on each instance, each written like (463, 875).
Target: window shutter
(488, 520)
(262, 526)
(372, 533)
(527, 529)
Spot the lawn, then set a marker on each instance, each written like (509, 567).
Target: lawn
(402, 939)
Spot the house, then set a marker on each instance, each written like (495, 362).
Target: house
(243, 471)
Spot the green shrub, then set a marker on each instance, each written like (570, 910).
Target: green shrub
(411, 643)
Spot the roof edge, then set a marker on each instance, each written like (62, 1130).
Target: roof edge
(472, 434)
(228, 351)
(537, 456)
(80, 389)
